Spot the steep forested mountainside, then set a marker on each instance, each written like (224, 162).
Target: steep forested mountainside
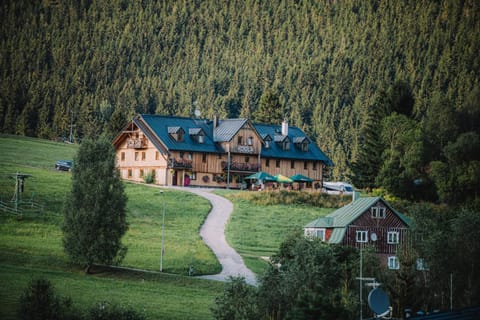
(337, 68)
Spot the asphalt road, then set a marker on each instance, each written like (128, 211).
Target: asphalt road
(213, 233)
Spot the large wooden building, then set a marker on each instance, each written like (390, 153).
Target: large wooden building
(214, 153)
(369, 221)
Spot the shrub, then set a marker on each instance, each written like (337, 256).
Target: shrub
(237, 302)
(285, 197)
(112, 311)
(40, 301)
(149, 178)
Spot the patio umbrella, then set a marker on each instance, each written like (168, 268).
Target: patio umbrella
(282, 179)
(301, 178)
(260, 176)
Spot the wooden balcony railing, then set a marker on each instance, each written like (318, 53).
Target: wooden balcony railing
(139, 143)
(179, 164)
(239, 166)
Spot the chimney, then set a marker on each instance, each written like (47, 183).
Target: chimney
(355, 195)
(215, 121)
(284, 128)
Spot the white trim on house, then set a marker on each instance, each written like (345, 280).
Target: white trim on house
(393, 263)
(361, 236)
(378, 212)
(315, 233)
(393, 237)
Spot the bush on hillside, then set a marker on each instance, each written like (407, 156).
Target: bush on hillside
(111, 311)
(40, 301)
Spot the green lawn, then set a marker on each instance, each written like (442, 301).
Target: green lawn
(256, 231)
(31, 245)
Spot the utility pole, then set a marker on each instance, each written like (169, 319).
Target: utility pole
(163, 232)
(71, 126)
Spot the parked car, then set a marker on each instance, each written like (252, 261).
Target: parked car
(64, 165)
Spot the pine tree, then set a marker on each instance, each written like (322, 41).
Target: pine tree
(95, 209)
(269, 110)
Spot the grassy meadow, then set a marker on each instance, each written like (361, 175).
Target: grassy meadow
(256, 230)
(31, 245)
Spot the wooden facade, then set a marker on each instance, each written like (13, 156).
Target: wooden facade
(143, 151)
(366, 222)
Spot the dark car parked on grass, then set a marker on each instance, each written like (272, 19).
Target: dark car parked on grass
(64, 165)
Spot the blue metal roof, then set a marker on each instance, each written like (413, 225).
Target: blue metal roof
(161, 126)
(294, 134)
(164, 126)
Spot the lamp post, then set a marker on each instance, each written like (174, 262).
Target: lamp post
(228, 167)
(163, 232)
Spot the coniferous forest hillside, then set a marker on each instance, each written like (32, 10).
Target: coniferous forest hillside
(388, 89)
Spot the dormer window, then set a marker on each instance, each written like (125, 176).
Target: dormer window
(197, 134)
(286, 144)
(301, 143)
(176, 133)
(267, 139)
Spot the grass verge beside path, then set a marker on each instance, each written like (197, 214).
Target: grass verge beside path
(256, 231)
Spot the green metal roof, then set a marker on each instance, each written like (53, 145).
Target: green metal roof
(342, 217)
(337, 235)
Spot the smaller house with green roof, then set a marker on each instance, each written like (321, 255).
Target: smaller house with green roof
(369, 221)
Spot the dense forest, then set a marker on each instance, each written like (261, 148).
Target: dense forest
(388, 89)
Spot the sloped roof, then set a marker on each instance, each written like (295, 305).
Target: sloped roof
(176, 129)
(227, 128)
(342, 217)
(162, 127)
(194, 131)
(275, 151)
(299, 139)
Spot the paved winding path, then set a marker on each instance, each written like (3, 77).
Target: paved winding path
(213, 233)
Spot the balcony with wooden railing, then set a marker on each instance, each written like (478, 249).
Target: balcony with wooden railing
(241, 166)
(179, 163)
(137, 143)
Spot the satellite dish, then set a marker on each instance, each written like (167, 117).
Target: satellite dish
(378, 302)
(373, 236)
(197, 113)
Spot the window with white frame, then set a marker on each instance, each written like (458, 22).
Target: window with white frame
(393, 237)
(362, 236)
(393, 263)
(315, 233)
(378, 212)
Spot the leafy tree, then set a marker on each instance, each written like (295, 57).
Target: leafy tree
(39, 301)
(312, 282)
(403, 156)
(95, 209)
(237, 302)
(269, 109)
